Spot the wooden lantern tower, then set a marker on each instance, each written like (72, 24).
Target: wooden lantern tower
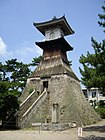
(53, 97)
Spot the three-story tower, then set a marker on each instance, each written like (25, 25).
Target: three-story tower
(56, 96)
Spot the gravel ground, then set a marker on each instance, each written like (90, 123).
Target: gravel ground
(92, 132)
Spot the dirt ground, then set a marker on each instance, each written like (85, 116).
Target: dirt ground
(92, 132)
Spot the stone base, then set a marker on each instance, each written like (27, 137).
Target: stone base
(64, 102)
(55, 126)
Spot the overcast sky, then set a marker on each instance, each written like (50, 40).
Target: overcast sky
(18, 35)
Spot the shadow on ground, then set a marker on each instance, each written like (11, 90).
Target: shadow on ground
(95, 128)
(92, 137)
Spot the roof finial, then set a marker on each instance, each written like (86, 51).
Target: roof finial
(54, 18)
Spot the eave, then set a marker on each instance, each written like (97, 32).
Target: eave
(62, 22)
(60, 42)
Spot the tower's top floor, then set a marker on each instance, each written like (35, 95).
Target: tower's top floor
(55, 28)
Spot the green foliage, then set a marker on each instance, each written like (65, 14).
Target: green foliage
(10, 105)
(13, 76)
(101, 109)
(36, 61)
(8, 102)
(15, 73)
(93, 72)
(102, 17)
(101, 112)
(101, 104)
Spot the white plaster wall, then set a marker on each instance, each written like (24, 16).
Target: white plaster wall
(53, 33)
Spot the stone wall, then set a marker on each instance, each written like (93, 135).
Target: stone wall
(73, 107)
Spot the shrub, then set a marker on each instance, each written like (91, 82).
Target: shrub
(101, 112)
(101, 104)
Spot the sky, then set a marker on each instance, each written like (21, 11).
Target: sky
(18, 35)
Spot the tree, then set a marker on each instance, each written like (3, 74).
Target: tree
(8, 104)
(17, 73)
(102, 17)
(13, 77)
(93, 73)
(36, 61)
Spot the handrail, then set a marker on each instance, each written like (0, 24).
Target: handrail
(27, 98)
(37, 103)
(34, 103)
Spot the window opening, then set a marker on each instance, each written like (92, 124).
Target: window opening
(45, 84)
(93, 94)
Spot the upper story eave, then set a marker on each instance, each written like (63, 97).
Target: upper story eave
(55, 22)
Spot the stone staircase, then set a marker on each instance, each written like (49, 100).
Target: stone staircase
(30, 104)
(27, 103)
